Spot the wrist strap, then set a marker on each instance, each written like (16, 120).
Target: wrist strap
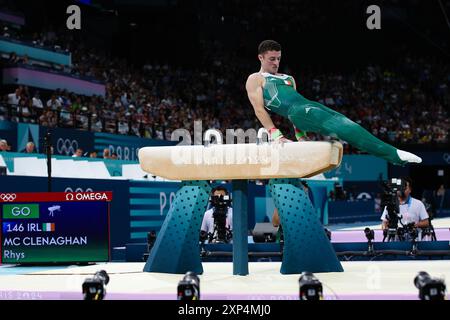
(275, 134)
(299, 133)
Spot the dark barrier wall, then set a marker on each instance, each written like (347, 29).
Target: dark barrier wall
(120, 208)
(66, 141)
(349, 212)
(354, 168)
(126, 147)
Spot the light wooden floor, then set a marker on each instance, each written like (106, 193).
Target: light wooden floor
(361, 280)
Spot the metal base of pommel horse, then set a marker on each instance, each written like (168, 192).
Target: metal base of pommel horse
(306, 246)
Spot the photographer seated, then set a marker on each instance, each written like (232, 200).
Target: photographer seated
(412, 212)
(217, 221)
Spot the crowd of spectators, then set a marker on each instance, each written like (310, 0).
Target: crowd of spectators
(403, 103)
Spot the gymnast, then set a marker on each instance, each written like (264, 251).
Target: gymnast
(277, 92)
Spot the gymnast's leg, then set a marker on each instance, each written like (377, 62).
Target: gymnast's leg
(315, 117)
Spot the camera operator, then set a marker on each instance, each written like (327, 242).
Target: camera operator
(217, 221)
(412, 211)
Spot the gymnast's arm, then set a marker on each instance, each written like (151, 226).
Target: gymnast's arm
(255, 95)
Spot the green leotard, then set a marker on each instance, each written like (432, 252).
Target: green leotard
(281, 97)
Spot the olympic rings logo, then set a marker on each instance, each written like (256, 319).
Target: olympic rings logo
(8, 196)
(66, 146)
(446, 157)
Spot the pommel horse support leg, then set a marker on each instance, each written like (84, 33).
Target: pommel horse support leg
(306, 246)
(176, 249)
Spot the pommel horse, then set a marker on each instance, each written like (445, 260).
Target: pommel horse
(306, 246)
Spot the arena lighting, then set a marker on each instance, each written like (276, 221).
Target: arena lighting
(94, 288)
(429, 288)
(310, 287)
(189, 287)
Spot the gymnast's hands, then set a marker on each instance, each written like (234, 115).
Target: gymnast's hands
(284, 140)
(277, 136)
(300, 135)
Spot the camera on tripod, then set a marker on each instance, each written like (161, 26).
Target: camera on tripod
(391, 191)
(429, 288)
(220, 201)
(94, 288)
(220, 205)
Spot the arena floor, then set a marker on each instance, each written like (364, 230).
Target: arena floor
(360, 281)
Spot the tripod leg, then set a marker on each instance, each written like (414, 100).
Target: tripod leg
(433, 234)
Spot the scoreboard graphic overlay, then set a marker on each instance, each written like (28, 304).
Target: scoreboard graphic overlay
(55, 227)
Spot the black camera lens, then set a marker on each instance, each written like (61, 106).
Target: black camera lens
(310, 287)
(189, 287)
(103, 276)
(421, 279)
(370, 234)
(429, 288)
(94, 288)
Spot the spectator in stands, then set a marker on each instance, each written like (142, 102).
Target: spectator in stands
(65, 116)
(93, 154)
(25, 60)
(78, 153)
(48, 119)
(440, 196)
(106, 153)
(4, 145)
(37, 102)
(412, 210)
(123, 127)
(14, 98)
(29, 148)
(339, 192)
(24, 110)
(13, 58)
(53, 103)
(114, 156)
(377, 203)
(440, 192)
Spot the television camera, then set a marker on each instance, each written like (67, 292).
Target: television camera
(189, 287)
(389, 199)
(221, 233)
(94, 288)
